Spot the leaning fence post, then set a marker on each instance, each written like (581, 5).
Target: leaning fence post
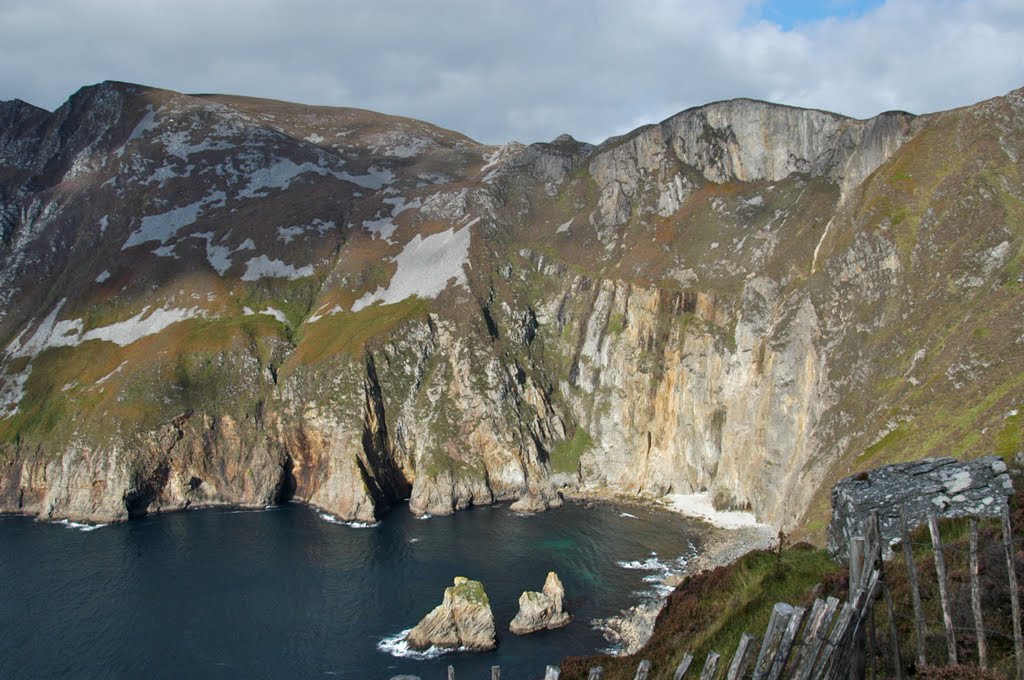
(595, 673)
(742, 658)
(642, 671)
(781, 613)
(940, 571)
(815, 635)
(856, 578)
(495, 672)
(551, 673)
(786, 645)
(1018, 641)
(897, 654)
(915, 591)
(893, 632)
(834, 644)
(710, 666)
(979, 624)
(683, 666)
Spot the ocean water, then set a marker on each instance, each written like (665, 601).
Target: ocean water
(289, 592)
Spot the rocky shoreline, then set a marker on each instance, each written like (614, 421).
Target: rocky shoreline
(631, 628)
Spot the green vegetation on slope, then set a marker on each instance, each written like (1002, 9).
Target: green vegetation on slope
(710, 611)
(565, 456)
(348, 332)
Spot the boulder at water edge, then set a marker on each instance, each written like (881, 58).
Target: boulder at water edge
(463, 619)
(538, 611)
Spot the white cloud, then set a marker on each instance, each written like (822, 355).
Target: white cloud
(521, 69)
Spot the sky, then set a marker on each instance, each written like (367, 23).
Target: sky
(527, 70)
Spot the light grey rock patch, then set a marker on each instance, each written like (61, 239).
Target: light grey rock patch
(945, 486)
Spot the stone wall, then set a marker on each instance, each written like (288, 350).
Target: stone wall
(945, 486)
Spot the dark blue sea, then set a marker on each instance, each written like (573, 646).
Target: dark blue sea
(288, 593)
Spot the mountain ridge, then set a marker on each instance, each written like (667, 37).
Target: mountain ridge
(233, 305)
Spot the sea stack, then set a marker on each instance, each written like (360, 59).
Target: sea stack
(463, 619)
(538, 611)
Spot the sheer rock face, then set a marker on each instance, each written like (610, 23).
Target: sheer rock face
(538, 611)
(211, 300)
(462, 620)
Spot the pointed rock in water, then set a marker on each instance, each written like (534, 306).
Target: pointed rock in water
(538, 611)
(463, 619)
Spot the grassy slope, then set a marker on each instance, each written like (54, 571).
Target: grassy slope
(957, 396)
(710, 611)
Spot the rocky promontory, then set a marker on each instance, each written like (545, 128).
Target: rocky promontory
(538, 611)
(462, 620)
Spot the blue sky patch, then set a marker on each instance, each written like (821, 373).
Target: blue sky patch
(792, 13)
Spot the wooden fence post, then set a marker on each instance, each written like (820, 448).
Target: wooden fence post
(786, 645)
(742, 658)
(781, 613)
(915, 590)
(643, 670)
(893, 633)
(833, 645)
(451, 672)
(710, 666)
(595, 673)
(1018, 641)
(683, 666)
(979, 624)
(857, 564)
(940, 571)
(839, 659)
(495, 672)
(815, 636)
(551, 673)
(879, 564)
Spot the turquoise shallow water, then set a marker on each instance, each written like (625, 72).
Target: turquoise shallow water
(287, 593)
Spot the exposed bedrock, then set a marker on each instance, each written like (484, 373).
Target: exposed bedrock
(944, 487)
(541, 610)
(462, 620)
(213, 300)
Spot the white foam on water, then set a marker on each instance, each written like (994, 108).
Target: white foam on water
(327, 517)
(626, 514)
(398, 646)
(79, 526)
(660, 570)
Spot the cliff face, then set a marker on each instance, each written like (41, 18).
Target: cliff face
(212, 300)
